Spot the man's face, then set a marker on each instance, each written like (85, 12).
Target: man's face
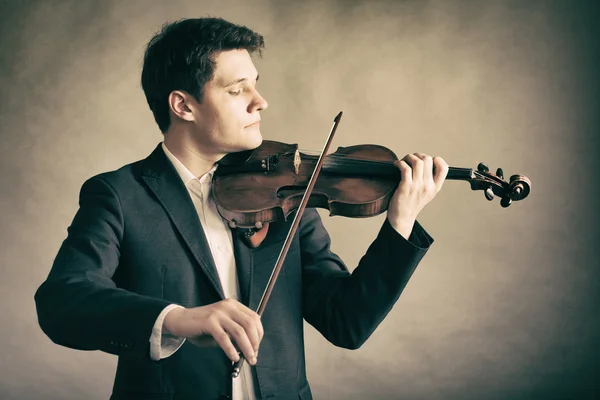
(228, 118)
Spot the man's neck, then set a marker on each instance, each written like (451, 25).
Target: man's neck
(188, 154)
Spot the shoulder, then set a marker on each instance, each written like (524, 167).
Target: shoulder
(117, 184)
(121, 179)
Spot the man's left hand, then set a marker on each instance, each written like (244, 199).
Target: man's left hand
(421, 180)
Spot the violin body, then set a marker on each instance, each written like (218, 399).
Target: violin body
(270, 183)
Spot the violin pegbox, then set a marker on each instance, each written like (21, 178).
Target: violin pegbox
(518, 187)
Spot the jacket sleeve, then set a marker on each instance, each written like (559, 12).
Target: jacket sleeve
(79, 305)
(347, 308)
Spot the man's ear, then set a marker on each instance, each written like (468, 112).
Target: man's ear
(179, 103)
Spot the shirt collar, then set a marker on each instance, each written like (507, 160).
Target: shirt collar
(185, 174)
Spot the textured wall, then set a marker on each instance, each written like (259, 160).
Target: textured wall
(505, 304)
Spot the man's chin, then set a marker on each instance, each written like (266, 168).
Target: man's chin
(257, 142)
(247, 145)
(253, 142)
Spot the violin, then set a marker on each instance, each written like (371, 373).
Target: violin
(256, 187)
(266, 184)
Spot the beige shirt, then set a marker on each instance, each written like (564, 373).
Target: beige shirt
(218, 236)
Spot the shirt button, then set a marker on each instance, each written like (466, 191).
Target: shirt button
(219, 247)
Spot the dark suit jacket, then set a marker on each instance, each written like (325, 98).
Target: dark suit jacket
(136, 246)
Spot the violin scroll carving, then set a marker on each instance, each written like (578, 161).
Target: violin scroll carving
(517, 188)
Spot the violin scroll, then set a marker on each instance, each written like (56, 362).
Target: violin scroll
(518, 187)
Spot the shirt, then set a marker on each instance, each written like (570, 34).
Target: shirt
(219, 238)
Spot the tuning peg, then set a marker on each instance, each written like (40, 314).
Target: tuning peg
(500, 173)
(505, 202)
(489, 194)
(481, 167)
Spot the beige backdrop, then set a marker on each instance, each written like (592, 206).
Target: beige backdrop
(504, 305)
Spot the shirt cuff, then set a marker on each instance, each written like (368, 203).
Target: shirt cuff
(162, 343)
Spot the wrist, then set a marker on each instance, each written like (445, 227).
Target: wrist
(403, 226)
(173, 321)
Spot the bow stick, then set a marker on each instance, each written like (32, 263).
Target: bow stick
(237, 366)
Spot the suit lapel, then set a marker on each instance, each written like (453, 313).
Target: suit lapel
(162, 179)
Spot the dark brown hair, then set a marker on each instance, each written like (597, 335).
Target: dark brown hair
(181, 57)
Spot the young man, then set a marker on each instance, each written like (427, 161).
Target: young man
(149, 268)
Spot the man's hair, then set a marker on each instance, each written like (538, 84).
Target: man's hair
(182, 57)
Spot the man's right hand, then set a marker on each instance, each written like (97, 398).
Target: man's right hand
(225, 320)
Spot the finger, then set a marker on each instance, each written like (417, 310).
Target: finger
(224, 341)
(416, 164)
(248, 322)
(427, 167)
(440, 172)
(261, 331)
(240, 336)
(405, 173)
(253, 322)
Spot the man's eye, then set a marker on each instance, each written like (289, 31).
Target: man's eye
(235, 92)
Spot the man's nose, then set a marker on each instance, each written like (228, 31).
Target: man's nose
(259, 103)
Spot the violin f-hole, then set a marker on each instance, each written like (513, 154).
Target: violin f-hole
(289, 191)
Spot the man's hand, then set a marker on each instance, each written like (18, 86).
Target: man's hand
(422, 179)
(226, 320)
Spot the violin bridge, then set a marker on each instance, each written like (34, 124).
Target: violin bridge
(297, 161)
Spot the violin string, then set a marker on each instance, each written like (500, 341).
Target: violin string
(351, 161)
(352, 158)
(346, 160)
(358, 162)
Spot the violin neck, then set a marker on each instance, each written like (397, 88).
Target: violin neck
(460, 174)
(386, 170)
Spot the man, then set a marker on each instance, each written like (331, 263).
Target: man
(149, 269)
